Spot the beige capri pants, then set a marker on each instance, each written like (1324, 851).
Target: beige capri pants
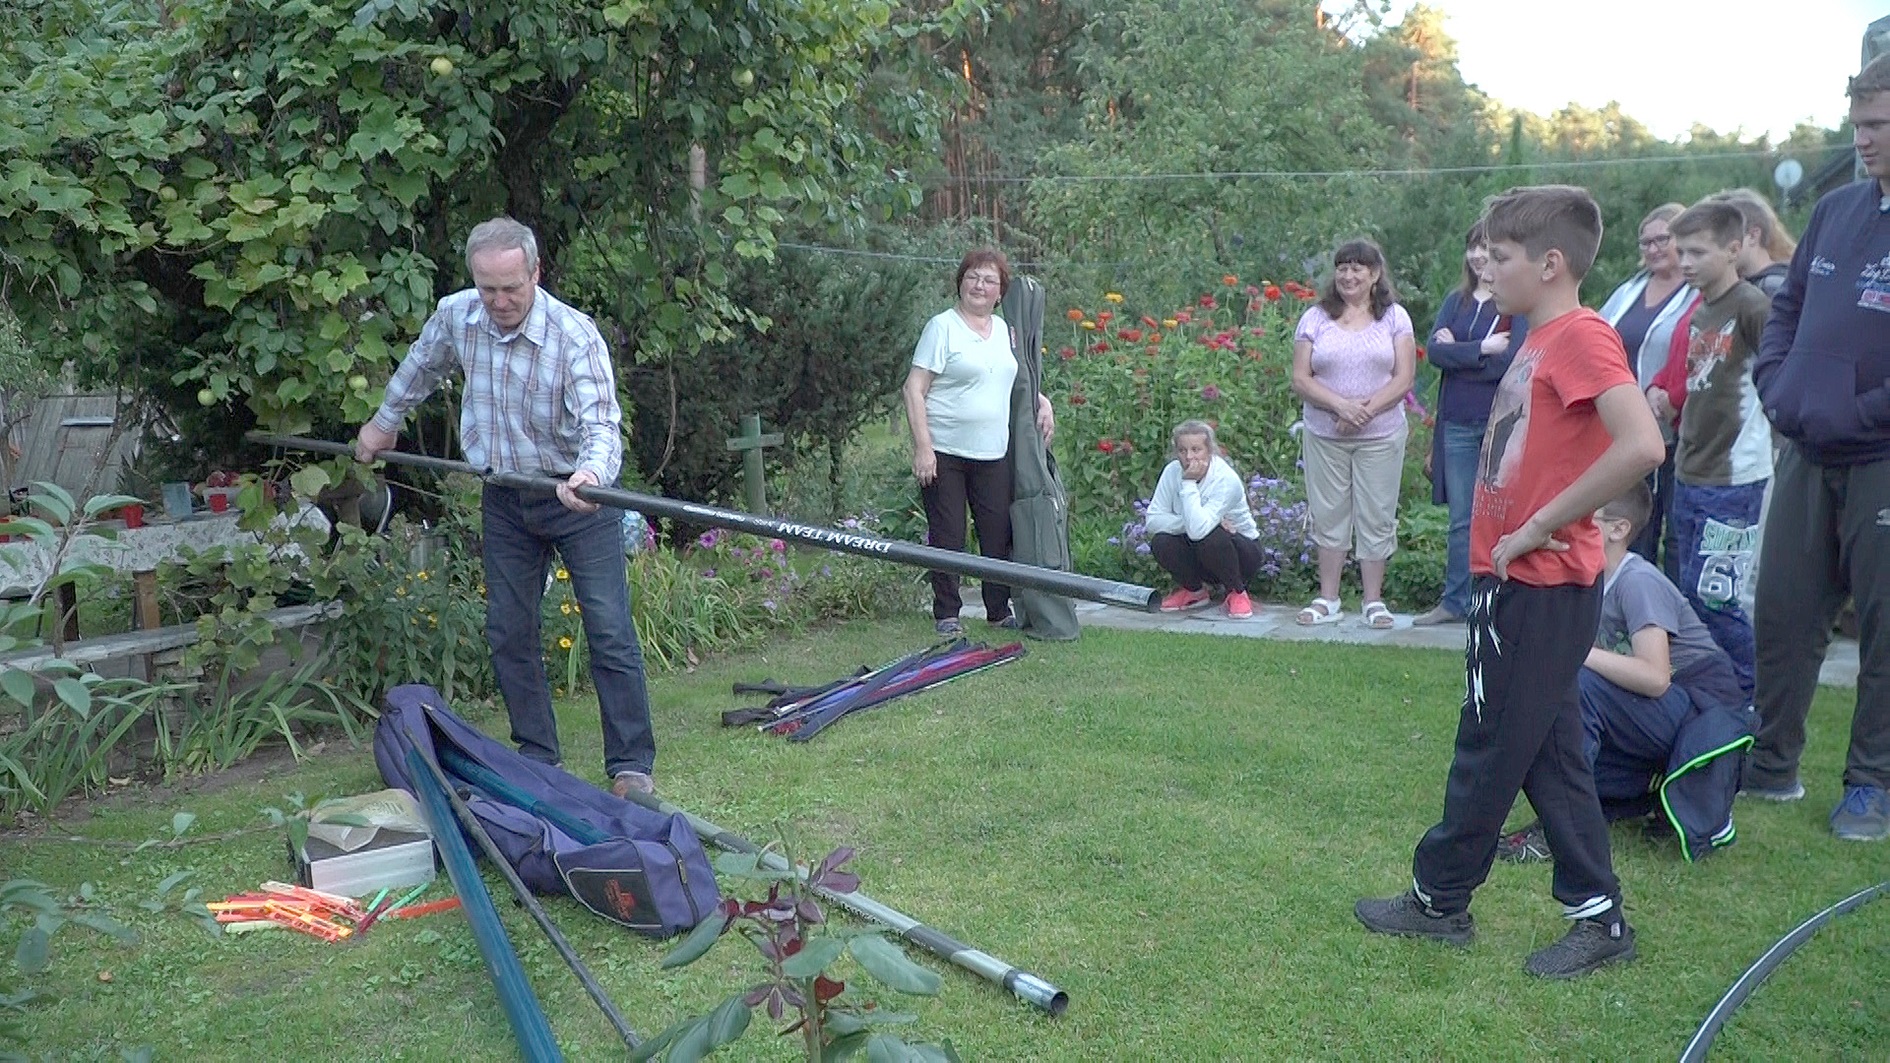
(1352, 492)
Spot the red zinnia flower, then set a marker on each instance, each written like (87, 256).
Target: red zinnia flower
(1150, 322)
(1103, 316)
(1207, 301)
(1130, 334)
(1066, 353)
(1107, 446)
(1272, 293)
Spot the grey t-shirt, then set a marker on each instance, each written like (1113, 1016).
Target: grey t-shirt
(1639, 595)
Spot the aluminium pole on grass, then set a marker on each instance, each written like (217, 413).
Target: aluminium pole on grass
(1027, 987)
(1762, 968)
(1010, 573)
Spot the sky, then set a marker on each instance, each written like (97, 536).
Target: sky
(1760, 65)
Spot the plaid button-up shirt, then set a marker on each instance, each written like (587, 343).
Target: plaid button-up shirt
(540, 399)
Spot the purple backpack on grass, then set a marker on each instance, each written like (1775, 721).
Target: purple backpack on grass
(648, 871)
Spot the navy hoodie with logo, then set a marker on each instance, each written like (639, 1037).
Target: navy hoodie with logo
(1823, 370)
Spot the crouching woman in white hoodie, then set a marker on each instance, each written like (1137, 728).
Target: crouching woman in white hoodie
(1200, 528)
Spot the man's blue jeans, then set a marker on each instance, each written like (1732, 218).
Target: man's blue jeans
(1463, 446)
(522, 531)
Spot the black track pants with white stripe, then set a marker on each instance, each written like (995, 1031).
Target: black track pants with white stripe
(1521, 730)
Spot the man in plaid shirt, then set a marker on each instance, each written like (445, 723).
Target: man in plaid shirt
(540, 398)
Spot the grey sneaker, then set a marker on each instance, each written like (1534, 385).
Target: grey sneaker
(1791, 791)
(1529, 845)
(626, 781)
(1863, 815)
(1589, 945)
(1407, 916)
(1436, 617)
(949, 626)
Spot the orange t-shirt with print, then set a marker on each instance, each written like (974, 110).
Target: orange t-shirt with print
(1544, 433)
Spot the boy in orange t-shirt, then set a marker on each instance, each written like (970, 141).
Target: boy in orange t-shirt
(1568, 433)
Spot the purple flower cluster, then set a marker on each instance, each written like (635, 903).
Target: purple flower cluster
(762, 565)
(1280, 515)
(1134, 537)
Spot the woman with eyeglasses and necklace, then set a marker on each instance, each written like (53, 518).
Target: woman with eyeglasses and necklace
(1645, 310)
(958, 402)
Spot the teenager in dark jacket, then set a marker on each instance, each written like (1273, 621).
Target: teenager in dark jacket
(1823, 376)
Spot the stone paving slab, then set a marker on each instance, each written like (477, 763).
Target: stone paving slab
(1277, 622)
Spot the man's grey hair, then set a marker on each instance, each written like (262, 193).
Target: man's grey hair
(1193, 428)
(502, 234)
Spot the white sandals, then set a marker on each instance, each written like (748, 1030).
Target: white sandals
(1377, 617)
(1321, 611)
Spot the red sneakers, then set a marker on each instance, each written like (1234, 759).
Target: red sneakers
(1239, 606)
(1183, 598)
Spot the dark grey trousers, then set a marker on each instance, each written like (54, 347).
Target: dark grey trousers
(1827, 537)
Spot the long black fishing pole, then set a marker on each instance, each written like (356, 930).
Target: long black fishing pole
(529, 1025)
(1762, 968)
(524, 895)
(1025, 986)
(1009, 573)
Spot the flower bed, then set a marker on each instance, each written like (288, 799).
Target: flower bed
(1126, 377)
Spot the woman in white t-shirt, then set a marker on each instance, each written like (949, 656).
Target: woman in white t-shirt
(958, 401)
(1200, 527)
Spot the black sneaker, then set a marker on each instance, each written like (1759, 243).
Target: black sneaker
(1526, 846)
(1407, 916)
(1589, 945)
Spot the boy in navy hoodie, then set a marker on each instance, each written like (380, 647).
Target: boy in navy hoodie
(1823, 375)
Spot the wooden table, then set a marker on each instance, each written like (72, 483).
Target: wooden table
(26, 566)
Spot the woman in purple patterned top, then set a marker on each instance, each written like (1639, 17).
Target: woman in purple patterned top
(1354, 359)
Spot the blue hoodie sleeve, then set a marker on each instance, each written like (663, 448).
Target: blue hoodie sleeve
(1811, 396)
(1457, 356)
(1464, 359)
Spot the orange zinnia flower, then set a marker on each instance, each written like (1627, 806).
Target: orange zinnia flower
(1074, 314)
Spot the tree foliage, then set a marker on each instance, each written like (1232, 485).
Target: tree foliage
(259, 202)
(839, 338)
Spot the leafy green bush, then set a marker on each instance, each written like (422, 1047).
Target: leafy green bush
(1414, 580)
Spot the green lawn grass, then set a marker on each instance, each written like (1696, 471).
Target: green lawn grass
(1171, 828)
